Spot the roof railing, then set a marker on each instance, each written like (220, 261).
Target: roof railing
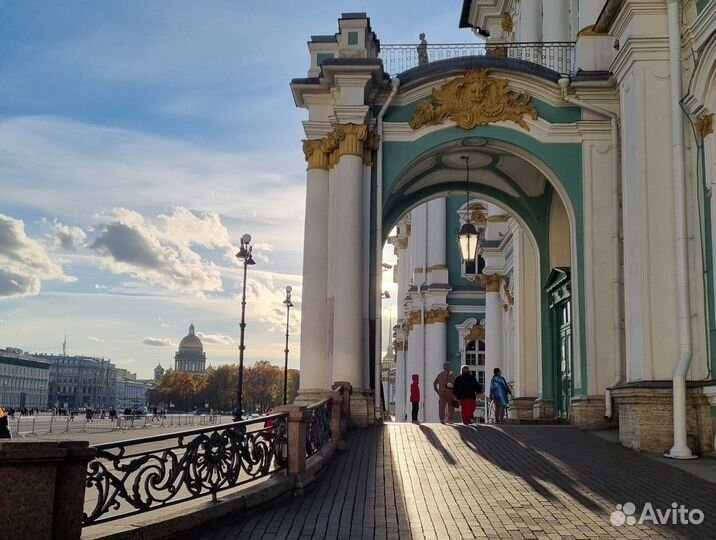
(555, 55)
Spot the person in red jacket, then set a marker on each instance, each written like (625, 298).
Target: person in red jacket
(415, 397)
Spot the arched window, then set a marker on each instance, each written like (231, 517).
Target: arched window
(475, 356)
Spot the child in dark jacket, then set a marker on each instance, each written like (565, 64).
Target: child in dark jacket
(415, 397)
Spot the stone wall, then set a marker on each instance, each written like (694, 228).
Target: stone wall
(646, 419)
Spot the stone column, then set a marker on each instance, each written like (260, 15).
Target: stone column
(555, 20)
(436, 354)
(414, 359)
(401, 388)
(493, 325)
(314, 327)
(348, 279)
(531, 21)
(48, 476)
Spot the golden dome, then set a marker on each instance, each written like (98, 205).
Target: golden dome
(190, 342)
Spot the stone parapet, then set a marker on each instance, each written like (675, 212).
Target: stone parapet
(646, 418)
(48, 476)
(543, 408)
(588, 412)
(522, 408)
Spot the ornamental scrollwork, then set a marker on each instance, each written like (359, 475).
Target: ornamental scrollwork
(474, 100)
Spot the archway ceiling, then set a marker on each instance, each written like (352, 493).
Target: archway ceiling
(490, 165)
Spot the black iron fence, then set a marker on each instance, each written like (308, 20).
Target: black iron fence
(134, 476)
(318, 429)
(555, 55)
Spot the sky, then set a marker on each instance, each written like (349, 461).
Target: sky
(138, 142)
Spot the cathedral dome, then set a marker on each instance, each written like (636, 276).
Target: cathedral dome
(190, 342)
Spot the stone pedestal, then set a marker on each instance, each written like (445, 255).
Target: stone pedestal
(588, 412)
(298, 418)
(47, 480)
(362, 409)
(543, 408)
(646, 418)
(522, 408)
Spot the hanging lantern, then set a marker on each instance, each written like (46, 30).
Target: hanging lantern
(468, 237)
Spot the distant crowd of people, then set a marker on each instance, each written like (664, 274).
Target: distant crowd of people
(461, 392)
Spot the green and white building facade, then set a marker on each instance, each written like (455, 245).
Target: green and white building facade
(588, 128)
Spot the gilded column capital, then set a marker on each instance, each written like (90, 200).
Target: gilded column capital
(491, 282)
(416, 317)
(437, 315)
(402, 243)
(350, 140)
(705, 125)
(371, 145)
(315, 154)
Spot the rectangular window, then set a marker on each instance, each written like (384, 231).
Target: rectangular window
(321, 57)
(352, 38)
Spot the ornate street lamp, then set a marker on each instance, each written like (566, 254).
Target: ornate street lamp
(289, 305)
(468, 237)
(244, 255)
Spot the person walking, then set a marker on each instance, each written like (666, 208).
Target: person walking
(465, 390)
(443, 385)
(415, 397)
(499, 392)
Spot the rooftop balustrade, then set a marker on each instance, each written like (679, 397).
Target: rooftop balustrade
(557, 56)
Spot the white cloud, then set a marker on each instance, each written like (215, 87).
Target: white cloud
(157, 342)
(67, 237)
(130, 245)
(220, 339)
(24, 263)
(95, 339)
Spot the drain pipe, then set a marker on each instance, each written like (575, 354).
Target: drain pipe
(680, 450)
(619, 375)
(395, 84)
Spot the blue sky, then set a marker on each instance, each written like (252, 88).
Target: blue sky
(138, 141)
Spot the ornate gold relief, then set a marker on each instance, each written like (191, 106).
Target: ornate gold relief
(705, 125)
(477, 332)
(399, 346)
(344, 140)
(501, 218)
(509, 296)
(316, 156)
(491, 282)
(474, 100)
(402, 243)
(437, 315)
(507, 24)
(416, 317)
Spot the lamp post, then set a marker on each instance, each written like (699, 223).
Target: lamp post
(467, 236)
(244, 255)
(289, 305)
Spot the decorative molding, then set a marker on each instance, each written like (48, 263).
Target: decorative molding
(500, 218)
(474, 100)
(415, 317)
(491, 282)
(437, 267)
(507, 23)
(344, 140)
(705, 125)
(510, 297)
(437, 315)
(316, 156)
(402, 243)
(477, 332)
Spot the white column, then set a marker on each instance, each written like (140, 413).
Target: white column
(348, 282)
(436, 348)
(555, 20)
(531, 21)
(314, 356)
(436, 241)
(414, 361)
(528, 367)
(402, 390)
(589, 11)
(493, 327)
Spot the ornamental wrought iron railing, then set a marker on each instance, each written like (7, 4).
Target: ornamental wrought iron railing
(138, 475)
(318, 429)
(555, 55)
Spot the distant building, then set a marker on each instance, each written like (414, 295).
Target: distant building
(81, 381)
(158, 372)
(131, 392)
(190, 357)
(24, 379)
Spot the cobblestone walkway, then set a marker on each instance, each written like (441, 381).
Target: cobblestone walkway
(451, 482)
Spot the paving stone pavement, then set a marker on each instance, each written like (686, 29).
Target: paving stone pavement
(431, 481)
